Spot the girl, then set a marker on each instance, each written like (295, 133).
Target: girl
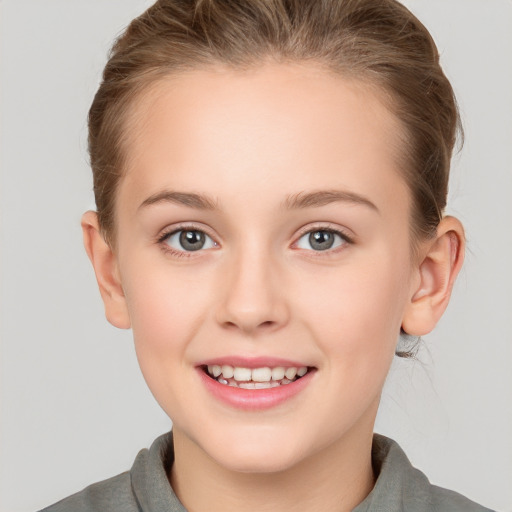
(270, 180)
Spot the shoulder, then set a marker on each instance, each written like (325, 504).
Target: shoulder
(446, 500)
(144, 488)
(108, 495)
(403, 488)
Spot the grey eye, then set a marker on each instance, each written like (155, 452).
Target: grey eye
(189, 240)
(320, 240)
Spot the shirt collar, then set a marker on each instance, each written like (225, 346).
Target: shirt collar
(399, 486)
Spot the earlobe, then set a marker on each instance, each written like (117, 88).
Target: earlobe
(106, 269)
(440, 262)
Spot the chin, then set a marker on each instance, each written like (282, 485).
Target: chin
(255, 452)
(251, 462)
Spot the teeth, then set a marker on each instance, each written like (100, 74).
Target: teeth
(227, 371)
(278, 373)
(261, 374)
(264, 377)
(266, 385)
(214, 370)
(242, 374)
(259, 385)
(290, 373)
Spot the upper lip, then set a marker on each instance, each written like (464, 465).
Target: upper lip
(252, 362)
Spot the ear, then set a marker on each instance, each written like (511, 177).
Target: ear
(439, 264)
(106, 269)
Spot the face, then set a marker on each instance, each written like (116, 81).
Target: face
(263, 232)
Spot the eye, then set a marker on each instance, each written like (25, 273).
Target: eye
(188, 240)
(322, 240)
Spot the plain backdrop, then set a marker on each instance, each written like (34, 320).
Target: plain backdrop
(74, 407)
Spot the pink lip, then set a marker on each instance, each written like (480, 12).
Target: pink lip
(251, 362)
(254, 399)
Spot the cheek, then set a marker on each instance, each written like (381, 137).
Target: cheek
(357, 310)
(166, 308)
(162, 301)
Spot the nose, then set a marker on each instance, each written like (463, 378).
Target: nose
(253, 295)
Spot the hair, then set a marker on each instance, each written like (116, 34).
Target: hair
(379, 42)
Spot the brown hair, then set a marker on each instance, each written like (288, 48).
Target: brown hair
(378, 41)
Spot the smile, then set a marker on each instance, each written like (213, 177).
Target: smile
(255, 384)
(255, 378)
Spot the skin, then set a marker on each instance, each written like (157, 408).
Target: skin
(250, 141)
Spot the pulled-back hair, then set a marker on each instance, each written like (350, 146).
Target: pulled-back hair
(379, 42)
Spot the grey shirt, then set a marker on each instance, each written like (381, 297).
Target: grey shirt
(145, 488)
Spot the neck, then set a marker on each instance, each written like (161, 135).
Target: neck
(336, 479)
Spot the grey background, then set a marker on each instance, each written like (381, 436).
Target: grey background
(74, 407)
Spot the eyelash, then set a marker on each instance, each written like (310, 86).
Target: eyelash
(188, 254)
(346, 239)
(177, 229)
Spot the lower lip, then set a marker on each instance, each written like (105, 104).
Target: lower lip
(254, 399)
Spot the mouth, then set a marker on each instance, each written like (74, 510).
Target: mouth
(264, 377)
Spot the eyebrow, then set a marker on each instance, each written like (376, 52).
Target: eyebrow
(197, 201)
(325, 197)
(300, 200)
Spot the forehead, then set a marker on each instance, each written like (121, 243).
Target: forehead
(290, 126)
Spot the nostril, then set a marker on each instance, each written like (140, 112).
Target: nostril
(248, 327)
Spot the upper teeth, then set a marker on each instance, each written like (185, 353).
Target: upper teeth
(264, 374)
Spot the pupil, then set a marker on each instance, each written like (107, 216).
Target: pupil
(192, 240)
(321, 240)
